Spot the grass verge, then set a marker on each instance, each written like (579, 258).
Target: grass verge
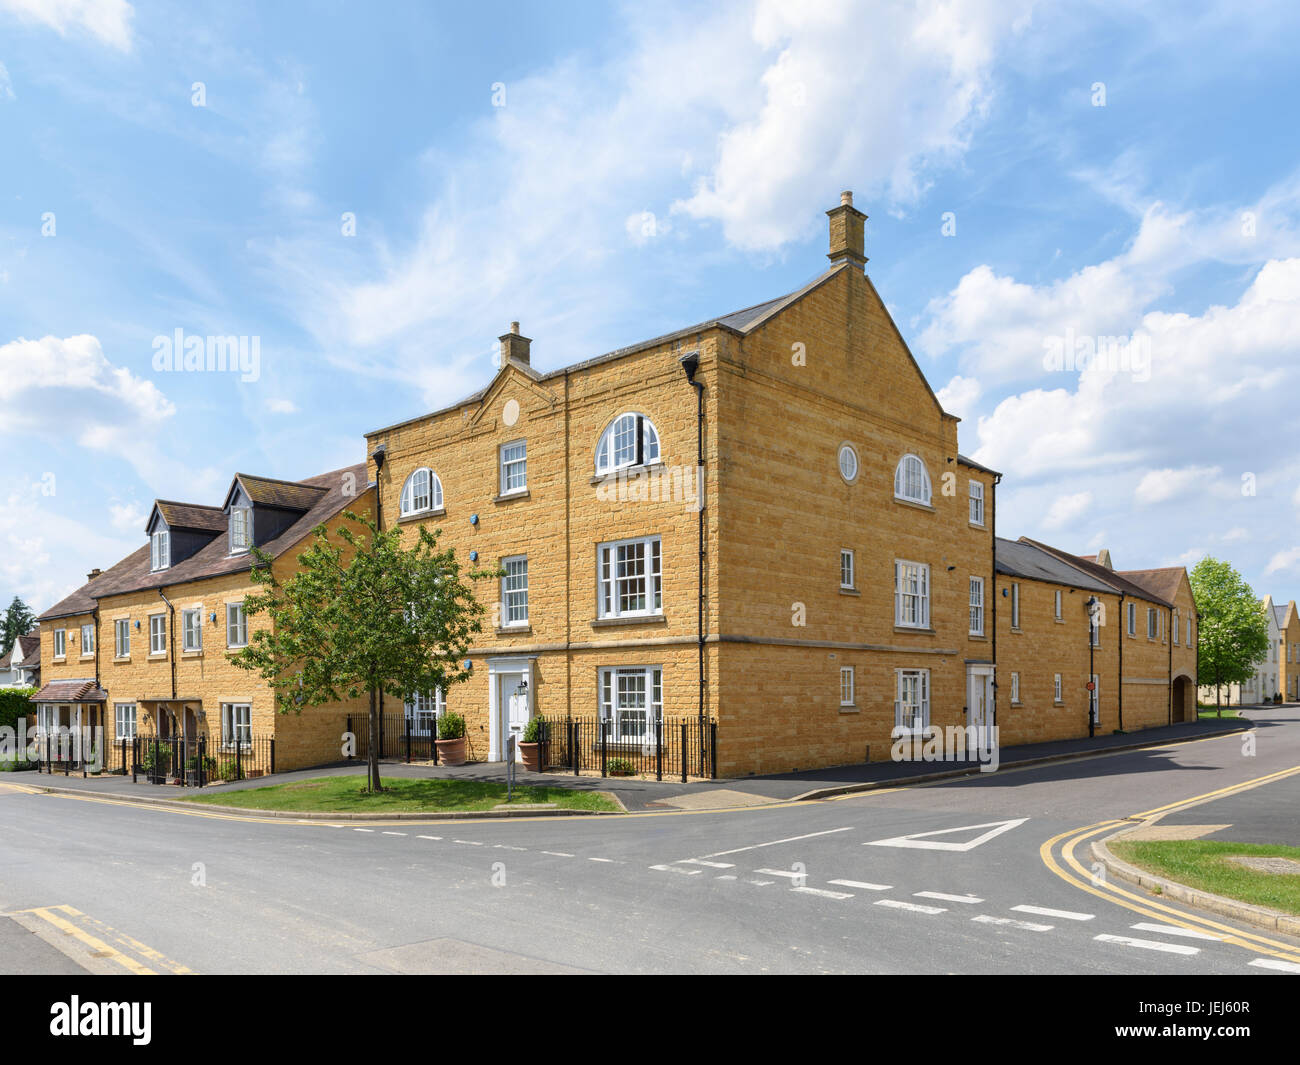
(344, 794)
(1203, 864)
(1212, 715)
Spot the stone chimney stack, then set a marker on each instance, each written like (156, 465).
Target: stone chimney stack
(514, 345)
(93, 573)
(1103, 559)
(848, 243)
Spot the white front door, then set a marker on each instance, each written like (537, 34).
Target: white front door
(979, 704)
(512, 700)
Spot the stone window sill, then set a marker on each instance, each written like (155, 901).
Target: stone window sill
(850, 710)
(850, 591)
(423, 515)
(510, 497)
(915, 628)
(628, 471)
(914, 504)
(636, 619)
(514, 630)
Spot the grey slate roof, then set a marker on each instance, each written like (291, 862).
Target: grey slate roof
(1279, 612)
(1015, 558)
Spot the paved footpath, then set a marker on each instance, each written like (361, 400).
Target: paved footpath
(985, 874)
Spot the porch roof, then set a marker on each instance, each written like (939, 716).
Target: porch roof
(70, 691)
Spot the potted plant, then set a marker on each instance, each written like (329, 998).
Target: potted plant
(451, 739)
(530, 746)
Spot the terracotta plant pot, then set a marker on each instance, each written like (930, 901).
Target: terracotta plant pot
(452, 752)
(531, 754)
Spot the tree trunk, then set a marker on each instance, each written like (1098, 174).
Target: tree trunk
(372, 757)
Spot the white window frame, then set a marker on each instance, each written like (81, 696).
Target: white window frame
(905, 473)
(630, 426)
(1057, 603)
(1015, 688)
(160, 552)
(848, 452)
(846, 686)
(1132, 619)
(87, 640)
(236, 726)
(918, 591)
(241, 518)
(631, 723)
(915, 685)
(1094, 699)
(236, 634)
(192, 624)
(513, 468)
(124, 721)
(60, 643)
(976, 502)
(1056, 688)
(422, 712)
(609, 583)
(157, 634)
(847, 572)
(1152, 627)
(421, 485)
(514, 596)
(1189, 630)
(1015, 605)
(977, 606)
(122, 638)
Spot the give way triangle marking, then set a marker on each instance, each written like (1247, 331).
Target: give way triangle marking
(922, 840)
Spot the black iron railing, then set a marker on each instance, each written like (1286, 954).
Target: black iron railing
(632, 746)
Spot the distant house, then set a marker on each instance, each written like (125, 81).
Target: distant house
(21, 668)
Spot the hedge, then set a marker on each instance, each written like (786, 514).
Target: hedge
(16, 703)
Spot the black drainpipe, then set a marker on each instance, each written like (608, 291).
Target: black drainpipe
(1123, 614)
(171, 648)
(993, 586)
(691, 364)
(1169, 636)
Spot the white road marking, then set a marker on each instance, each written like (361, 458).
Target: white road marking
(789, 874)
(499, 846)
(677, 869)
(394, 833)
(773, 843)
(1064, 915)
(711, 865)
(363, 830)
(610, 860)
(912, 906)
(922, 840)
(820, 893)
(945, 898)
(468, 842)
(558, 854)
(428, 837)
(725, 876)
(1172, 930)
(760, 883)
(1148, 944)
(1028, 926)
(861, 885)
(1274, 963)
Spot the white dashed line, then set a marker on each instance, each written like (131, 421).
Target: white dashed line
(610, 860)
(774, 842)
(789, 874)
(677, 869)
(725, 876)
(504, 846)
(363, 830)
(946, 898)
(468, 842)
(711, 865)
(1027, 926)
(394, 833)
(428, 837)
(861, 885)
(558, 854)
(1148, 944)
(1273, 963)
(823, 894)
(760, 883)
(1064, 915)
(912, 906)
(1171, 930)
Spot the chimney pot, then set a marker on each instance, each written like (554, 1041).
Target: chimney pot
(94, 573)
(848, 238)
(514, 328)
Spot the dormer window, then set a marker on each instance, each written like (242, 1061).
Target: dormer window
(241, 522)
(630, 440)
(159, 550)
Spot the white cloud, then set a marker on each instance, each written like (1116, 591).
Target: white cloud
(1232, 535)
(1066, 509)
(127, 516)
(6, 86)
(1157, 486)
(107, 20)
(282, 406)
(1287, 561)
(959, 395)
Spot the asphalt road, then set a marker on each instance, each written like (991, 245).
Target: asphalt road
(807, 887)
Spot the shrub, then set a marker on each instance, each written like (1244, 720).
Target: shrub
(619, 767)
(13, 764)
(451, 726)
(16, 703)
(533, 730)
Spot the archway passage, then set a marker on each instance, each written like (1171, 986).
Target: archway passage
(1184, 700)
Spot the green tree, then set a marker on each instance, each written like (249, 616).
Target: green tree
(362, 615)
(1233, 629)
(18, 621)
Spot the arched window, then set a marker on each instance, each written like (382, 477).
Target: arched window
(422, 491)
(911, 481)
(629, 440)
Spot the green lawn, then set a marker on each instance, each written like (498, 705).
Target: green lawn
(1203, 864)
(1212, 715)
(343, 794)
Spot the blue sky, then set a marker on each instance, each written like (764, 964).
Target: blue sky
(604, 174)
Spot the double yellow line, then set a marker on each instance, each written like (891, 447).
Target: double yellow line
(1079, 877)
(65, 919)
